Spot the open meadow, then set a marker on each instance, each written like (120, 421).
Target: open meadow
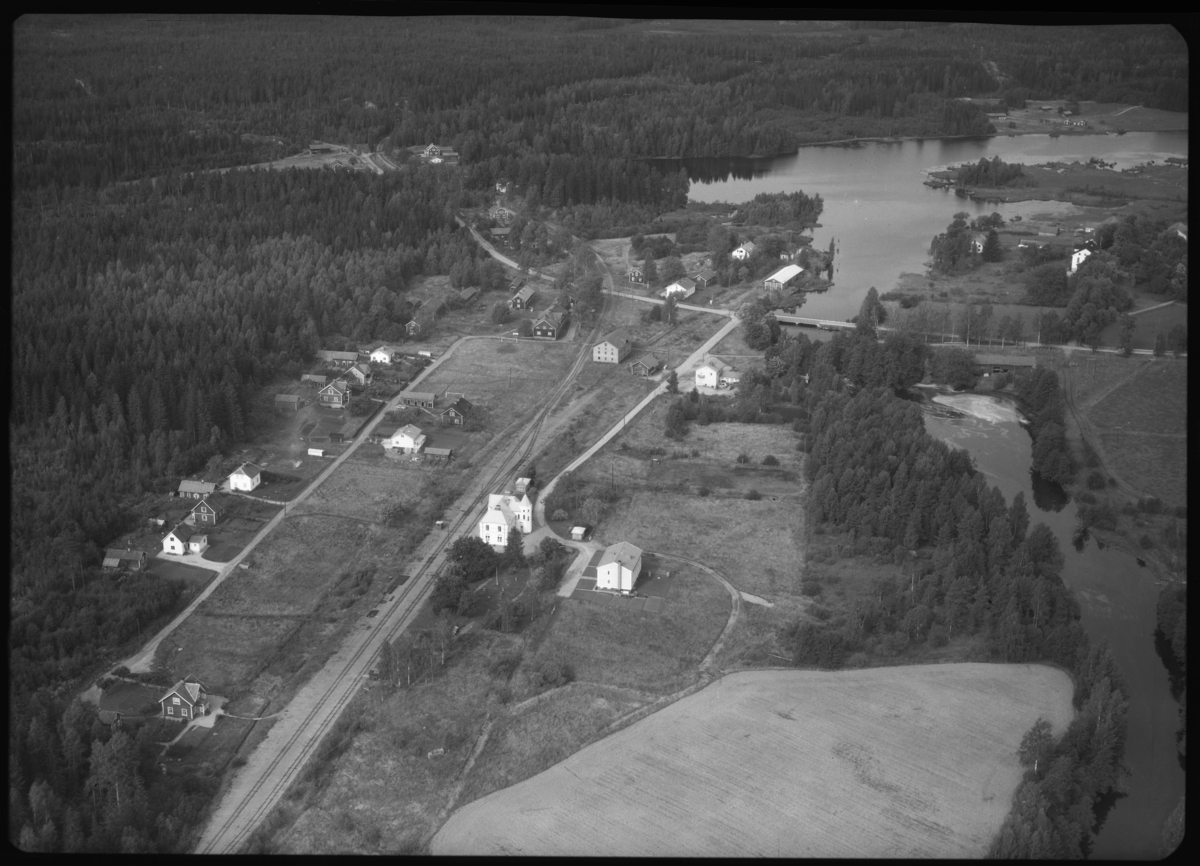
(507, 378)
(659, 652)
(1142, 425)
(895, 762)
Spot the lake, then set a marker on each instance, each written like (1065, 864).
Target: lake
(883, 219)
(876, 206)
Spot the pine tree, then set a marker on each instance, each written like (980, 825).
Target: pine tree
(992, 251)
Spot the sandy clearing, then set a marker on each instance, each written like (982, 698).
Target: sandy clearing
(911, 761)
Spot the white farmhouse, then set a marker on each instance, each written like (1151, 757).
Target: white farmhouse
(183, 539)
(714, 374)
(619, 567)
(407, 440)
(744, 251)
(504, 512)
(682, 288)
(245, 477)
(384, 354)
(1077, 258)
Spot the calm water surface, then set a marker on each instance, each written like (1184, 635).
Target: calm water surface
(1118, 600)
(877, 208)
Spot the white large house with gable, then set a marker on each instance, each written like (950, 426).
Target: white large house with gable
(505, 511)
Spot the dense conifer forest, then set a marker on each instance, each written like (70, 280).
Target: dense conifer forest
(153, 295)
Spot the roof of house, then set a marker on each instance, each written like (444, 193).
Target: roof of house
(1178, 227)
(461, 406)
(287, 398)
(748, 246)
(418, 395)
(313, 377)
(117, 554)
(247, 469)
(468, 293)
(189, 486)
(524, 294)
(553, 316)
(412, 431)
(362, 368)
(616, 338)
(330, 355)
(500, 232)
(717, 366)
(191, 690)
(622, 552)
(215, 501)
(708, 274)
(786, 273)
(1006, 360)
(648, 360)
(183, 532)
(339, 386)
(439, 452)
(683, 283)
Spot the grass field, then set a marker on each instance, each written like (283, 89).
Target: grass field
(1149, 326)
(362, 487)
(508, 384)
(193, 575)
(658, 652)
(1139, 410)
(898, 762)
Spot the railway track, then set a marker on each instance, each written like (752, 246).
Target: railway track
(231, 832)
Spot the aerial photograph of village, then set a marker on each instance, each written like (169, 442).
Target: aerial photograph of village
(569, 436)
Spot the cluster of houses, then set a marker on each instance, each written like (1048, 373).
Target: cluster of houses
(551, 323)
(188, 536)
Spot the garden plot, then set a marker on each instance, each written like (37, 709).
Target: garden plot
(363, 488)
(891, 762)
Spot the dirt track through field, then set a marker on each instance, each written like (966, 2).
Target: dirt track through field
(912, 761)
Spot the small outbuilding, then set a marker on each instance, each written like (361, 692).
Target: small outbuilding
(578, 533)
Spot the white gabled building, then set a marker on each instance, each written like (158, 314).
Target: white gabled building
(504, 512)
(619, 567)
(407, 440)
(783, 277)
(715, 374)
(245, 477)
(1077, 258)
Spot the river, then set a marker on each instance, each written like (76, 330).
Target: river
(883, 219)
(876, 206)
(1118, 599)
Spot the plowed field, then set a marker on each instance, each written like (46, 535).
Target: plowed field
(890, 762)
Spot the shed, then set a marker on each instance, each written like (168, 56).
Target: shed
(578, 532)
(289, 402)
(644, 365)
(993, 364)
(783, 277)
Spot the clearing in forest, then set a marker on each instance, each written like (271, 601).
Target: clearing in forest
(889, 762)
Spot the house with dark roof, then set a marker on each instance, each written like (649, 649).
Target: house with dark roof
(468, 295)
(706, 278)
(419, 399)
(612, 348)
(131, 559)
(431, 150)
(184, 539)
(456, 412)
(184, 701)
(361, 373)
(636, 275)
(523, 300)
(335, 395)
(551, 324)
(644, 365)
(189, 489)
(339, 359)
(289, 402)
(210, 509)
